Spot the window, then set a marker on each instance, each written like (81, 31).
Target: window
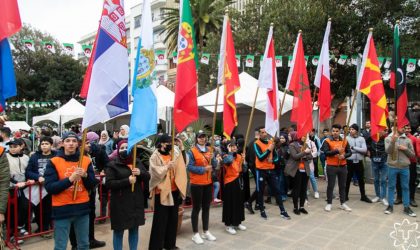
(137, 21)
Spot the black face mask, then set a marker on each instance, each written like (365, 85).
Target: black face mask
(168, 148)
(234, 154)
(123, 154)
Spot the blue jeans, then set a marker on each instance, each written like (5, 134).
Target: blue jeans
(133, 238)
(62, 230)
(216, 188)
(281, 183)
(380, 172)
(314, 184)
(392, 179)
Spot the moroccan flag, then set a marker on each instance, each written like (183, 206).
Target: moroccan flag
(398, 81)
(229, 77)
(322, 78)
(268, 80)
(185, 106)
(369, 82)
(297, 81)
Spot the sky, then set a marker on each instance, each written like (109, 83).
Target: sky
(66, 20)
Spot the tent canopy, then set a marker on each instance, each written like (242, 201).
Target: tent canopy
(245, 95)
(17, 125)
(68, 112)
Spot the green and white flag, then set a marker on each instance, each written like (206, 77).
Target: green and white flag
(289, 61)
(238, 60)
(411, 65)
(381, 61)
(205, 58)
(306, 60)
(87, 50)
(418, 62)
(175, 57)
(354, 59)
(48, 45)
(261, 60)
(29, 44)
(279, 61)
(387, 62)
(315, 60)
(332, 58)
(342, 60)
(160, 57)
(249, 61)
(68, 49)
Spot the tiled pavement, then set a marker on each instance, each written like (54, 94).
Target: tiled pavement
(366, 227)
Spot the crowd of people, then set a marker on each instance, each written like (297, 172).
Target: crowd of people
(65, 185)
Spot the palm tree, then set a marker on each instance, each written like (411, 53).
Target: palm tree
(207, 17)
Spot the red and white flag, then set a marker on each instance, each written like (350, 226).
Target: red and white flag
(322, 78)
(268, 80)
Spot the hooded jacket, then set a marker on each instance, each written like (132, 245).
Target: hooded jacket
(402, 157)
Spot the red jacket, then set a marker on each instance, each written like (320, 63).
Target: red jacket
(413, 140)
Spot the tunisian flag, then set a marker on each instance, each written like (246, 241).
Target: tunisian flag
(297, 81)
(369, 82)
(185, 106)
(228, 75)
(268, 80)
(322, 78)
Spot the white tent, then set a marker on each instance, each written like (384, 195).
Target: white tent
(70, 111)
(17, 125)
(245, 95)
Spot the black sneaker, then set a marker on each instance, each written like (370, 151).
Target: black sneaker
(249, 208)
(257, 207)
(263, 215)
(296, 211)
(409, 212)
(365, 199)
(96, 244)
(413, 203)
(303, 210)
(389, 210)
(398, 201)
(284, 215)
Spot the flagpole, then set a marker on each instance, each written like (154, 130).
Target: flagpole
(214, 116)
(134, 163)
(250, 120)
(395, 125)
(282, 103)
(79, 165)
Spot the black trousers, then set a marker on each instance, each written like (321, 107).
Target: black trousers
(103, 195)
(254, 195)
(165, 223)
(359, 170)
(334, 172)
(316, 172)
(272, 180)
(22, 211)
(201, 198)
(92, 217)
(411, 184)
(299, 190)
(46, 213)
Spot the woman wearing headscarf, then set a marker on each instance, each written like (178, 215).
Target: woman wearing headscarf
(106, 141)
(127, 206)
(298, 168)
(168, 184)
(124, 131)
(282, 147)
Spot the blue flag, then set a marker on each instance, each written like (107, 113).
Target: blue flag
(144, 115)
(7, 73)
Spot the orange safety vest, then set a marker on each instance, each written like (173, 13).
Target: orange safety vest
(64, 170)
(166, 159)
(264, 165)
(202, 159)
(1, 150)
(232, 171)
(335, 145)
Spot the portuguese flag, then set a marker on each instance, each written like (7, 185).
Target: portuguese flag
(185, 106)
(398, 81)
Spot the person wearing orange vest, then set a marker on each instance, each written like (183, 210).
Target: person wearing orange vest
(336, 151)
(200, 165)
(233, 202)
(61, 175)
(265, 158)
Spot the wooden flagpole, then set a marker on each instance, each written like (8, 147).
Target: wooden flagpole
(79, 165)
(134, 163)
(250, 121)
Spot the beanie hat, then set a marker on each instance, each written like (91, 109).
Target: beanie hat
(70, 135)
(355, 127)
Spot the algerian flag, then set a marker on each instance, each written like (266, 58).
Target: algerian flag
(381, 61)
(249, 61)
(315, 60)
(386, 75)
(205, 58)
(261, 60)
(68, 49)
(418, 62)
(238, 60)
(342, 60)
(49, 46)
(387, 63)
(160, 57)
(175, 57)
(289, 61)
(306, 60)
(87, 50)
(354, 60)
(29, 44)
(411, 65)
(279, 61)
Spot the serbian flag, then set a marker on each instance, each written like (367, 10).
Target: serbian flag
(268, 80)
(322, 78)
(185, 106)
(229, 77)
(398, 81)
(107, 71)
(369, 82)
(10, 23)
(297, 81)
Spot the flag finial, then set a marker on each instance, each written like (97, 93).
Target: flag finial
(398, 22)
(370, 29)
(300, 31)
(329, 19)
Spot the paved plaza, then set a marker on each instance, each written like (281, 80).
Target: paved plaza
(366, 227)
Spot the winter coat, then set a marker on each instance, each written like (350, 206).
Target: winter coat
(4, 181)
(127, 207)
(37, 165)
(296, 156)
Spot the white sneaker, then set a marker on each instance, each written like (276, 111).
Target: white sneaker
(328, 208)
(345, 207)
(316, 195)
(197, 239)
(208, 236)
(376, 199)
(241, 227)
(231, 230)
(217, 200)
(385, 202)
